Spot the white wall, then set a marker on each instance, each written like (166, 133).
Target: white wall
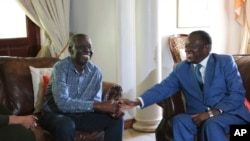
(98, 19)
(224, 30)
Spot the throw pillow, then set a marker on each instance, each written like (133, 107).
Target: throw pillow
(46, 79)
(247, 104)
(37, 81)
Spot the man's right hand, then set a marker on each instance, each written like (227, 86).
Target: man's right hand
(129, 104)
(109, 106)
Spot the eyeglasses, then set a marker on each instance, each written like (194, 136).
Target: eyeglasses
(195, 46)
(84, 49)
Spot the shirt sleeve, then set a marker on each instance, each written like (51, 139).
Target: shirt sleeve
(4, 120)
(98, 96)
(142, 103)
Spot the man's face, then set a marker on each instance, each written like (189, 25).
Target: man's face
(81, 52)
(196, 50)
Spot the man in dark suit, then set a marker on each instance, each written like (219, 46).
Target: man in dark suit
(214, 94)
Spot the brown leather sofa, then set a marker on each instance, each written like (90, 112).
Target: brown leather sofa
(175, 104)
(16, 92)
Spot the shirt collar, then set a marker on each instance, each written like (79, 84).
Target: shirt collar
(204, 61)
(86, 67)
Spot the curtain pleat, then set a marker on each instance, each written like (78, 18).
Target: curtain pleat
(242, 16)
(52, 16)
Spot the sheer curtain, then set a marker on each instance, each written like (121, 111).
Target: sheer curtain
(246, 38)
(242, 16)
(52, 16)
(248, 25)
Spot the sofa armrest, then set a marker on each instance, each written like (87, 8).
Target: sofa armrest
(111, 91)
(172, 105)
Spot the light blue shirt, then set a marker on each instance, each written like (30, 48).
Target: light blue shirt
(73, 92)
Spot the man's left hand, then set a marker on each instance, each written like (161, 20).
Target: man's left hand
(199, 118)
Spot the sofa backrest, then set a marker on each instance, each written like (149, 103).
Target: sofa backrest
(243, 62)
(16, 89)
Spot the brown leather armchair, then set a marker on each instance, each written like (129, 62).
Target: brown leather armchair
(176, 44)
(176, 104)
(16, 92)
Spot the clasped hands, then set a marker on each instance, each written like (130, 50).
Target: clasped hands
(28, 121)
(116, 107)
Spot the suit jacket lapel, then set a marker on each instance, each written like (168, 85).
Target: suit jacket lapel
(209, 72)
(194, 82)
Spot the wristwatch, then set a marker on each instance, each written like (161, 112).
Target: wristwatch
(210, 113)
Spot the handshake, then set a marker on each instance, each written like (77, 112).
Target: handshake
(116, 108)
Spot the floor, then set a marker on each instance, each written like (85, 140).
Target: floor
(133, 135)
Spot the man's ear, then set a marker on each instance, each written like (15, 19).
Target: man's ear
(70, 50)
(91, 53)
(208, 47)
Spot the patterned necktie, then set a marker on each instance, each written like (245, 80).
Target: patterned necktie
(198, 74)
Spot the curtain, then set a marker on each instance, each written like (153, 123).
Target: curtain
(242, 16)
(247, 26)
(52, 16)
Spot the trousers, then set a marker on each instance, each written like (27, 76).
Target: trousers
(213, 129)
(63, 126)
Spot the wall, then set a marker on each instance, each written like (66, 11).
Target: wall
(98, 20)
(225, 31)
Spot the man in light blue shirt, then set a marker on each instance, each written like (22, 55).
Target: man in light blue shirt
(73, 100)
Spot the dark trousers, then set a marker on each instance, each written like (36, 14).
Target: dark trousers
(63, 126)
(13, 132)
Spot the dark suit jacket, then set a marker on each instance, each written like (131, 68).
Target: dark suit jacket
(223, 88)
(13, 132)
(4, 118)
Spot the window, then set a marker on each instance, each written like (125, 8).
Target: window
(19, 35)
(15, 19)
